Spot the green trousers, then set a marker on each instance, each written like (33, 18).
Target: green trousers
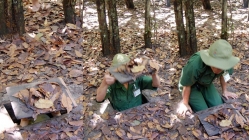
(202, 97)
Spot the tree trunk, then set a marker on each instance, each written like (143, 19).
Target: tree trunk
(11, 13)
(206, 4)
(129, 4)
(167, 3)
(147, 34)
(224, 34)
(69, 11)
(245, 3)
(113, 27)
(191, 46)
(104, 34)
(180, 27)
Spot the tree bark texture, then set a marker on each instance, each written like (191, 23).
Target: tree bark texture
(69, 11)
(11, 13)
(113, 27)
(206, 4)
(180, 27)
(245, 3)
(104, 33)
(167, 3)
(224, 34)
(191, 46)
(147, 34)
(129, 4)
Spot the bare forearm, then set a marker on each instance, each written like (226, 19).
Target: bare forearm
(101, 92)
(155, 80)
(223, 84)
(185, 94)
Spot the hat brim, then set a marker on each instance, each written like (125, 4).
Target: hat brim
(220, 63)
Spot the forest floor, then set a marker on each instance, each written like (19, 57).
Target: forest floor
(158, 119)
(48, 49)
(51, 49)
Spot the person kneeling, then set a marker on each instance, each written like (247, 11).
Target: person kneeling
(127, 95)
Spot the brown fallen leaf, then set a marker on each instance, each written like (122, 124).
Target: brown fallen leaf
(39, 62)
(154, 64)
(75, 73)
(239, 120)
(167, 125)
(76, 123)
(69, 134)
(174, 135)
(227, 136)
(36, 93)
(66, 102)
(196, 133)
(154, 135)
(225, 123)
(23, 95)
(25, 135)
(53, 136)
(56, 93)
(12, 48)
(129, 135)
(151, 125)
(138, 68)
(159, 128)
(78, 54)
(47, 87)
(105, 116)
(120, 132)
(44, 103)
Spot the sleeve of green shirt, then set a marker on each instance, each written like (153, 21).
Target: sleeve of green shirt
(191, 70)
(145, 82)
(230, 71)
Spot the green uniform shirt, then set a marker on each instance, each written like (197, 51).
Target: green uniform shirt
(122, 98)
(196, 71)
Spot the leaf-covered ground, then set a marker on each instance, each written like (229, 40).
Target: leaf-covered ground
(157, 119)
(49, 49)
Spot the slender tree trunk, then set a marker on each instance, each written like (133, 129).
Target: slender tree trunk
(180, 27)
(245, 3)
(69, 11)
(113, 27)
(11, 13)
(104, 34)
(206, 4)
(167, 3)
(147, 34)
(224, 34)
(129, 4)
(191, 45)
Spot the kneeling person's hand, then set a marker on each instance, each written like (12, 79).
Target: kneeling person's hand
(108, 79)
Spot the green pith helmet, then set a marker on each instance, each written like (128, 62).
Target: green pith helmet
(120, 59)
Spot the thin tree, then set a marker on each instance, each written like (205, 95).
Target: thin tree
(224, 34)
(180, 27)
(104, 34)
(147, 34)
(167, 3)
(69, 11)
(245, 4)
(11, 14)
(113, 27)
(206, 4)
(129, 4)
(191, 45)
